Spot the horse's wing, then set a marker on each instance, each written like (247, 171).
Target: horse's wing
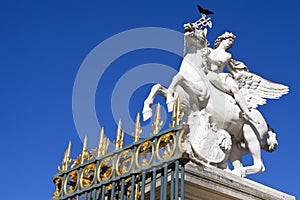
(257, 89)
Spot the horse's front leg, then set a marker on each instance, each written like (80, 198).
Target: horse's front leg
(155, 90)
(171, 95)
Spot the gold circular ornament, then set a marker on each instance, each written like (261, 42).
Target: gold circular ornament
(181, 139)
(124, 162)
(58, 187)
(106, 169)
(143, 151)
(166, 145)
(88, 175)
(71, 182)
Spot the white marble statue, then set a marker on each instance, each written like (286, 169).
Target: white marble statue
(219, 107)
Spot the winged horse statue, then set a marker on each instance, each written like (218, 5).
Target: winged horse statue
(219, 107)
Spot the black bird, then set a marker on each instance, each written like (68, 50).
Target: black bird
(204, 11)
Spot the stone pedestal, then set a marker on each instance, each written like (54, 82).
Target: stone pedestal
(215, 184)
(203, 183)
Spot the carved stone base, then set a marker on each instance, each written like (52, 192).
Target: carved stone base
(209, 183)
(213, 183)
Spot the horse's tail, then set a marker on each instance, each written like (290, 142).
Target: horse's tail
(271, 141)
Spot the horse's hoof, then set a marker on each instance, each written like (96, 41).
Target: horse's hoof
(239, 172)
(227, 170)
(170, 102)
(170, 106)
(236, 172)
(147, 113)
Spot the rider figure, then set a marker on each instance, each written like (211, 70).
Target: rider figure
(217, 59)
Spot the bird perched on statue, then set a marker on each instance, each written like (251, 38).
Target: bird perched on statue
(204, 11)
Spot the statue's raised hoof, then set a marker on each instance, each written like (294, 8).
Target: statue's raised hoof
(170, 106)
(147, 113)
(170, 102)
(171, 98)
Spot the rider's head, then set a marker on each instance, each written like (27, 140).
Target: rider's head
(223, 37)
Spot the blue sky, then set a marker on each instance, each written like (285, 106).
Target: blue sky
(43, 46)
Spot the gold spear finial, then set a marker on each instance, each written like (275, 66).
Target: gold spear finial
(122, 140)
(138, 131)
(177, 115)
(84, 153)
(156, 126)
(84, 156)
(101, 143)
(66, 160)
(106, 146)
(120, 137)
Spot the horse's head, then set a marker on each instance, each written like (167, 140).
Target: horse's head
(195, 37)
(195, 33)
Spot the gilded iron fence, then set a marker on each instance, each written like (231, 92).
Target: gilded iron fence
(152, 168)
(129, 173)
